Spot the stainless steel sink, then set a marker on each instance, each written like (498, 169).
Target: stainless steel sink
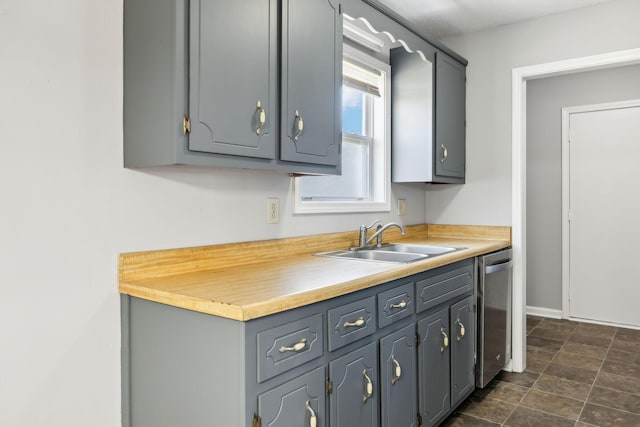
(397, 253)
(419, 249)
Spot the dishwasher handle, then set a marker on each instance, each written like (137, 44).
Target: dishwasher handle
(490, 269)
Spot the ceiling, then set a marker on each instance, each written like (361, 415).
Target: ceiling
(442, 18)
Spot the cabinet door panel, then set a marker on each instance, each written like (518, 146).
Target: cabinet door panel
(233, 65)
(450, 117)
(398, 377)
(354, 376)
(295, 402)
(462, 350)
(434, 366)
(311, 80)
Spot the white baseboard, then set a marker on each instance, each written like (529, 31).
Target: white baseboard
(544, 312)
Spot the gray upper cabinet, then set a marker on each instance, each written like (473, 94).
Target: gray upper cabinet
(311, 80)
(232, 77)
(218, 83)
(450, 118)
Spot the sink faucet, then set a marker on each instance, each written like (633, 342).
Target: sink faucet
(377, 235)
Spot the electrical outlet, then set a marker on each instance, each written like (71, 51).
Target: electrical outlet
(402, 207)
(273, 210)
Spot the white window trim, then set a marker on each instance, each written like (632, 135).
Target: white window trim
(382, 128)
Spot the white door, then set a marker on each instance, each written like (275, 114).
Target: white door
(604, 212)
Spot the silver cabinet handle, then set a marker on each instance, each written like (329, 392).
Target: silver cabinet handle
(445, 340)
(300, 345)
(355, 324)
(299, 125)
(313, 420)
(368, 387)
(262, 117)
(401, 304)
(397, 370)
(490, 269)
(445, 153)
(461, 331)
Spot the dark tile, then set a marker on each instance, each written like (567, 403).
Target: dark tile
(629, 334)
(553, 404)
(577, 360)
(617, 382)
(537, 363)
(501, 390)
(544, 352)
(486, 408)
(563, 387)
(534, 317)
(590, 340)
(581, 375)
(608, 417)
(459, 420)
(623, 357)
(529, 329)
(557, 325)
(624, 343)
(585, 350)
(551, 334)
(525, 417)
(615, 399)
(523, 379)
(623, 369)
(533, 321)
(601, 331)
(544, 343)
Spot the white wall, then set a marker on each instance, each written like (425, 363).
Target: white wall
(69, 208)
(492, 54)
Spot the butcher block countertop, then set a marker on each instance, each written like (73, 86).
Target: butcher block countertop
(244, 281)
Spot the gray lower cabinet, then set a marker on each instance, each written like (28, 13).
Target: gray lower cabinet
(399, 354)
(251, 84)
(446, 360)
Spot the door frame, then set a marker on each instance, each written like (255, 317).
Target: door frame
(566, 117)
(519, 78)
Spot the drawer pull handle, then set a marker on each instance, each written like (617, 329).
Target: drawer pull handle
(445, 340)
(397, 370)
(445, 153)
(401, 304)
(355, 324)
(299, 346)
(313, 420)
(262, 117)
(299, 125)
(368, 386)
(461, 330)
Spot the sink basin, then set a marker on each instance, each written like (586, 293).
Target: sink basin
(419, 249)
(376, 255)
(398, 253)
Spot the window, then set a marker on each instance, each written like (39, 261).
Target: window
(364, 185)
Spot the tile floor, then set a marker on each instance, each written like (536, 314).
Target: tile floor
(578, 374)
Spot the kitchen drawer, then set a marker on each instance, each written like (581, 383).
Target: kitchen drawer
(435, 290)
(287, 346)
(350, 322)
(395, 304)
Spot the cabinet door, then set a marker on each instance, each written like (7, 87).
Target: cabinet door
(354, 400)
(233, 68)
(462, 350)
(434, 366)
(450, 117)
(398, 377)
(311, 79)
(295, 403)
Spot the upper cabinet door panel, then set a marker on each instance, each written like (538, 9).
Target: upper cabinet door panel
(450, 117)
(233, 68)
(311, 80)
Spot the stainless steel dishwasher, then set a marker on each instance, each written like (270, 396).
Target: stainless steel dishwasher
(494, 315)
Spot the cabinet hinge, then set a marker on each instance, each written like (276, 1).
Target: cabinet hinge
(419, 420)
(329, 386)
(417, 340)
(257, 422)
(186, 125)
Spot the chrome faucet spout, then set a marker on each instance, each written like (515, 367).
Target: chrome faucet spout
(381, 229)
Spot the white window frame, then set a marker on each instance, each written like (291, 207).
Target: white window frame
(381, 147)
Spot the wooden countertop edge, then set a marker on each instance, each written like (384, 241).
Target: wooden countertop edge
(142, 286)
